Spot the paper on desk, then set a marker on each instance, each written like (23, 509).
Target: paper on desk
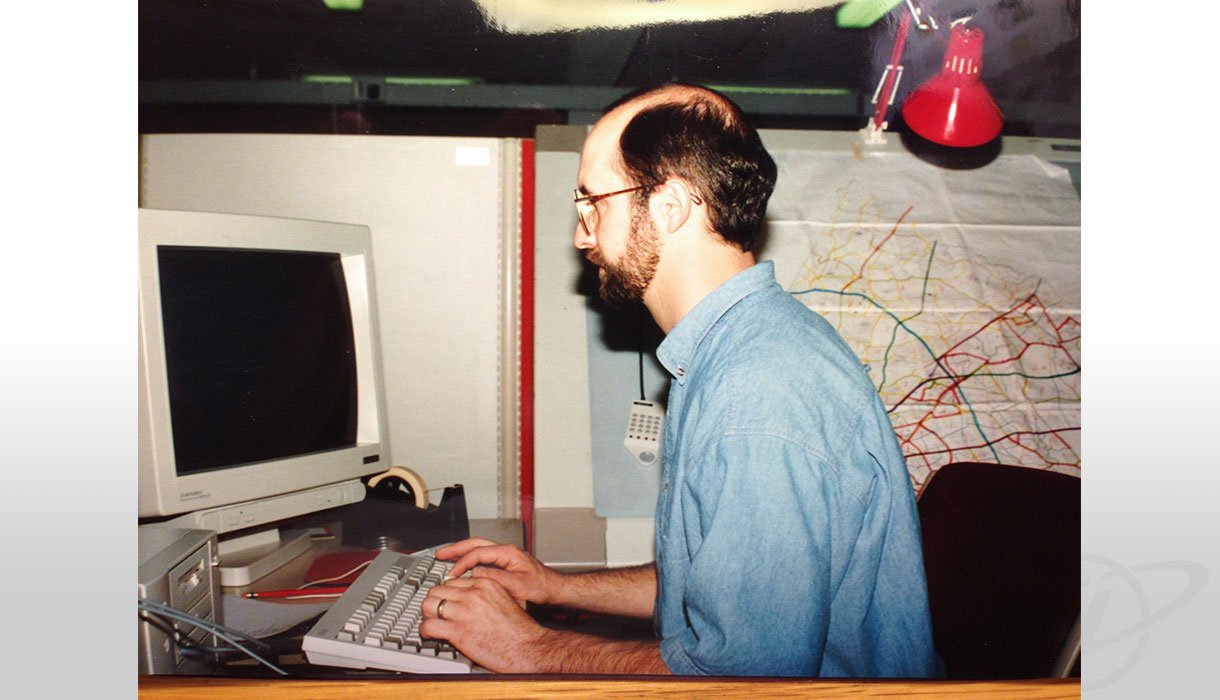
(259, 618)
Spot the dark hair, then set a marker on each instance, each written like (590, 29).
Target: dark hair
(701, 136)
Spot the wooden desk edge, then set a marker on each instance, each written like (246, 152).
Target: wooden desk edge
(498, 687)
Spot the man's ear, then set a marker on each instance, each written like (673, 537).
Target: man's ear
(673, 204)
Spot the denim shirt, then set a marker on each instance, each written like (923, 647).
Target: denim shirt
(787, 536)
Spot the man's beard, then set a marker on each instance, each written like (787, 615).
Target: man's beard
(625, 281)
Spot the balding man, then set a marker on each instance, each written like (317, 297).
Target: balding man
(787, 539)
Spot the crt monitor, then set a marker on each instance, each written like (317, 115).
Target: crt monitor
(260, 390)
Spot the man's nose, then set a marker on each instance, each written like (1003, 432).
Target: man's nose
(582, 239)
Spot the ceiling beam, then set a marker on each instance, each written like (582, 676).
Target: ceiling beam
(476, 96)
(580, 99)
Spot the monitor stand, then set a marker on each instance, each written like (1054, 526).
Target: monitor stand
(249, 547)
(253, 555)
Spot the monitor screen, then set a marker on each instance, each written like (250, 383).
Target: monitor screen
(259, 352)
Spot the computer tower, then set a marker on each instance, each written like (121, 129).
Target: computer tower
(177, 569)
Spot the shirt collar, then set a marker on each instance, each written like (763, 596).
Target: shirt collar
(678, 349)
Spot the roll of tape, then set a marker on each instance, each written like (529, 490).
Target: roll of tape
(413, 479)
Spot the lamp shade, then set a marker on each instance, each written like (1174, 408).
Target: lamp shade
(954, 108)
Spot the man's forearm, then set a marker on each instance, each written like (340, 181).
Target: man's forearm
(630, 591)
(571, 652)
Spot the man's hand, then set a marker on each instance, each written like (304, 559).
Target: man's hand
(485, 623)
(520, 574)
(630, 591)
(482, 620)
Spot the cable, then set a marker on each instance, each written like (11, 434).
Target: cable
(154, 606)
(306, 595)
(640, 341)
(162, 609)
(218, 630)
(164, 627)
(221, 631)
(340, 577)
(188, 646)
(642, 397)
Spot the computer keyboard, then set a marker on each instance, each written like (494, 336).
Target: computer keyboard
(375, 623)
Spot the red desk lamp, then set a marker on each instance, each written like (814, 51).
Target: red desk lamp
(954, 108)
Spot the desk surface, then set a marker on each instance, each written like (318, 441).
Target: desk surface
(495, 687)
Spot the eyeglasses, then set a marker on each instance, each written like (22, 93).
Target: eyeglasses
(587, 212)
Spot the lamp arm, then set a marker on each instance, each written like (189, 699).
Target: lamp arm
(888, 87)
(923, 20)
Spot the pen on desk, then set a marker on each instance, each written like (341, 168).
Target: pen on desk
(293, 592)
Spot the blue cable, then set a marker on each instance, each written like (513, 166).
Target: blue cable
(221, 631)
